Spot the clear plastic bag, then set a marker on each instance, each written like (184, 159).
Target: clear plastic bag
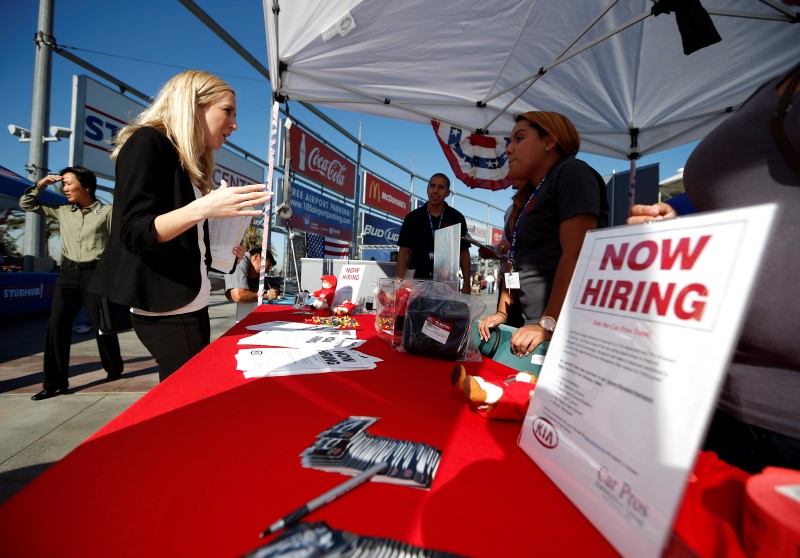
(391, 300)
(438, 322)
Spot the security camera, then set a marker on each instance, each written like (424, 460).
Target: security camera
(20, 132)
(59, 132)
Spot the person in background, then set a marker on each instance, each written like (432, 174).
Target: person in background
(514, 318)
(3, 251)
(158, 255)
(85, 225)
(241, 285)
(561, 200)
(752, 158)
(490, 282)
(476, 283)
(417, 233)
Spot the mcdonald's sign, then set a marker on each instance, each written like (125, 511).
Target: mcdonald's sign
(381, 195)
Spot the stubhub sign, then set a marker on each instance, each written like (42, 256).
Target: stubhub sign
(98, 112)
(381, 232)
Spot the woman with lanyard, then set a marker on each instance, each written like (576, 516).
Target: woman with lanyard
(563, 199)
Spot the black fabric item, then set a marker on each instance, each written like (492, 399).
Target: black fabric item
(777, 126)
(173, 339)
(694, 24)
(449, 317)
(113, 317)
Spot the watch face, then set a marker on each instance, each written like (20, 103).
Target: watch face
(548, 323)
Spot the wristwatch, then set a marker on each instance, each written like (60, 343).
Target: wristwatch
(547, 323)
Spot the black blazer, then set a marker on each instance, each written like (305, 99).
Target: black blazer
(135, 269)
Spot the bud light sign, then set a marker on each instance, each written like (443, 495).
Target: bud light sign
(379, 231)
(319, 163)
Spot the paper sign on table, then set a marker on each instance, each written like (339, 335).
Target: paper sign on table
(348, 283)
(635, 365)
(258, 363)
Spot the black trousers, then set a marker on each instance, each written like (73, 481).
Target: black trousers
(173, 340)
(69, 293)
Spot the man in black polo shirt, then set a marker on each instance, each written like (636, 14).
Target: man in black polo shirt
(419, 226)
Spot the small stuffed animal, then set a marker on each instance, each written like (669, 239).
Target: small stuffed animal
(323, 298)
(344, 308)
(500, 400)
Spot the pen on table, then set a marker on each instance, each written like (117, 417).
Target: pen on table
(326, 498)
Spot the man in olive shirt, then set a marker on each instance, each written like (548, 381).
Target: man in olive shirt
(84, 224)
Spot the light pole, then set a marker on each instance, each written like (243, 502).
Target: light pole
(34, 239)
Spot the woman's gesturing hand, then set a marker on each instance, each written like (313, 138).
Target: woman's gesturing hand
(233, 201)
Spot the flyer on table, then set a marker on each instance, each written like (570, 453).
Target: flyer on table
(636, 363)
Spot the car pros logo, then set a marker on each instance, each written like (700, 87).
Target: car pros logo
(545, 432)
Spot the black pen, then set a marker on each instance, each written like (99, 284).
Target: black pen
(326, 498)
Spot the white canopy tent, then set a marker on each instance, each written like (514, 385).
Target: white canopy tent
(617, 71)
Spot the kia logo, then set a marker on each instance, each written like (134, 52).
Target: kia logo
(545, 432)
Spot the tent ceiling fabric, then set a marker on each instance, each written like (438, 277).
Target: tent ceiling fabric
(437, 60)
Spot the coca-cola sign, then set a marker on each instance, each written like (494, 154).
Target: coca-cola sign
(317, 162)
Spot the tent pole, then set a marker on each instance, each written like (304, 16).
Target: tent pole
(633, 154)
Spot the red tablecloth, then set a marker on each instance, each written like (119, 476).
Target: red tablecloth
(207, 459)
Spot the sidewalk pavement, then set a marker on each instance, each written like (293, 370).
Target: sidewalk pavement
(36, 434)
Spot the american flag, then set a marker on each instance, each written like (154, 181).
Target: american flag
(318, 246)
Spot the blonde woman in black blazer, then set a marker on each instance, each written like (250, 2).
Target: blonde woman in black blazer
(158, 254)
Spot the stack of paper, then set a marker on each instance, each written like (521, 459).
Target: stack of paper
(288, 348)
(319, 340)
(262, 362)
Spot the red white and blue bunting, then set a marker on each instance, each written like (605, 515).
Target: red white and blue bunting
(478, 161)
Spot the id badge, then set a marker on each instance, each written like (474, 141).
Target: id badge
(512, 280)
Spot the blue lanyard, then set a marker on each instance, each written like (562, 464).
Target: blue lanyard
(513, 250)
(430, 219)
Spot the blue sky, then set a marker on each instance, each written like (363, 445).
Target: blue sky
(144, 43)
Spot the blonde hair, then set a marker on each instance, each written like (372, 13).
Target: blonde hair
(175, 113)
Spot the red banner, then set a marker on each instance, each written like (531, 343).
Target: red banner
(497, 236)
(319, 163)
(381, 195)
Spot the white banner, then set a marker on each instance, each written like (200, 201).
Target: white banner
(98, 112)
(635, 365)
(477, 230)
